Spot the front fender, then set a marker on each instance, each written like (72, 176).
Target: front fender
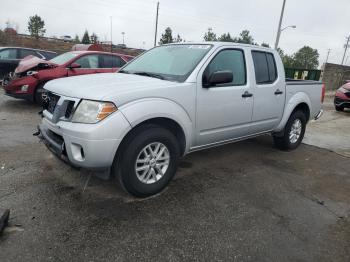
(141, 110)
(293, 102)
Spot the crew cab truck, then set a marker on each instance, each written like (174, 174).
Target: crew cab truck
(173, 100)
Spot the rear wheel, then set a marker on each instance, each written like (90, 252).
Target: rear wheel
(339, 108)
(148, 160)
(38, 96)
(293, 132)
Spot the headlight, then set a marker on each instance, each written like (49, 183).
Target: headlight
(90, 112)
(30, 73)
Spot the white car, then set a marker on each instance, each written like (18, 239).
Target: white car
(171, 101)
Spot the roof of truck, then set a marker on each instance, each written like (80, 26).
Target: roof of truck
(218, 44)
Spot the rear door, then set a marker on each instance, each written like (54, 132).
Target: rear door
(89, 65)
(269, 92)
(222, 112)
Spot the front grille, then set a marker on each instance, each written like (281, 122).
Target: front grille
(50, 101)
(69, 109)
(338, 100)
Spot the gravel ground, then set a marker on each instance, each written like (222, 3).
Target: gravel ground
(241, 202)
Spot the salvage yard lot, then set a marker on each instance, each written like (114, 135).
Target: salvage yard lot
(241, 202)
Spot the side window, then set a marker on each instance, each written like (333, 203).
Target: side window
(88, 61)
(265, 67)
(26, 52)
(48, 55)
(111, 61)
(10, 53)
(229, 60)
(272, 67)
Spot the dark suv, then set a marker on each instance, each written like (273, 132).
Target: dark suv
(10, 57)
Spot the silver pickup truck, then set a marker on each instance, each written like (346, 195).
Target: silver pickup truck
(170, 101)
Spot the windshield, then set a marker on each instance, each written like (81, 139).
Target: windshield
(64, 58)
(170, 62)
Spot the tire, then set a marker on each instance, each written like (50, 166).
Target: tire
(292, 135)
(339, 108)
(38, 94)
(135, 148)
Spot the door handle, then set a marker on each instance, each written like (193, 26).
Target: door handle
(247, 94)
(278, 92)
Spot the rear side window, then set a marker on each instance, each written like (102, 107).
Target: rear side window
(229, 60)
(109, 61)
(10, 53)
(265, 67)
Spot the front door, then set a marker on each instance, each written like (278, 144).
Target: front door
(89, 64)
(222, 112)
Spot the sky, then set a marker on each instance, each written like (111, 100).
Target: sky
(321, 24)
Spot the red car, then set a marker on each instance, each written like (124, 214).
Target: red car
(342, 97)
(32, 73)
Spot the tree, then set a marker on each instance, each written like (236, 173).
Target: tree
(210, 35)
(265, 45)
(178, 39)
(306, 58)
(245, 38)
(36, 26)
(76, 39)
(225, 38)
(167, 37)
(94, 38)
(86, 38)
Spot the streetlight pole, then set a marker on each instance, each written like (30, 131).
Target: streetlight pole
(279, 25)
(155, 33)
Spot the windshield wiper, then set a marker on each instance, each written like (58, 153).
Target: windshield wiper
(124, 72)
(149, 74)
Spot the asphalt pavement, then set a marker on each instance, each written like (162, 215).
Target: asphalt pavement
(241, 202)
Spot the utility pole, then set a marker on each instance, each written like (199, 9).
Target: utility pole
(155, 33)
(329, 50)
(279, 25)
(111, 36)
(346, 49)
(123, 33)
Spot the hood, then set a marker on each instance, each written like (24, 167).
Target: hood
(31, 62)
(106, 86)
(347, 86)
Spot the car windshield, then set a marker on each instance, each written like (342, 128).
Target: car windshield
(170, 62)
(64, 58)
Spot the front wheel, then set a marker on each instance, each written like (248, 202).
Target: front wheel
(148, 161)
(293, 132)
(38, 96)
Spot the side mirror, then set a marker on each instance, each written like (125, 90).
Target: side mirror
(74, 65)
(219, 77)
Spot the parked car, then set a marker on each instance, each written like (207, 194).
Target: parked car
(32, 73)
(171, 101)
(66, 38)
(10, 57)
(342, 97)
